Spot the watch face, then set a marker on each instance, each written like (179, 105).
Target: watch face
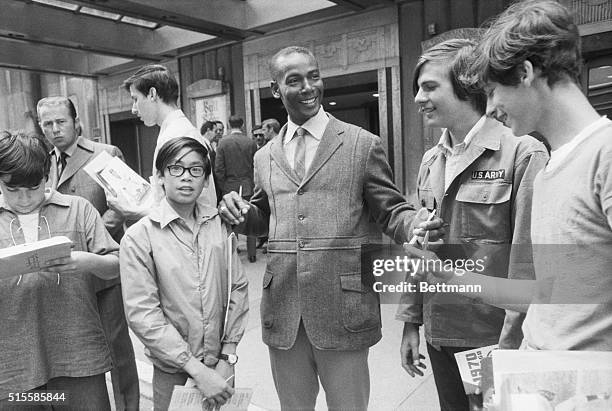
(232, 359)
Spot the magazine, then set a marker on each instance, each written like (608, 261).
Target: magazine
(118, 179)
(191, 399)
(469, 366)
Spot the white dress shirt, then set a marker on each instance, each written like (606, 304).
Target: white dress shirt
(315, 126)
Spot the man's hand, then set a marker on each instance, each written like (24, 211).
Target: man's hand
(121, 204)
(435, 226)
(78, 261)
(232, 208)
(428, 266)
(225, 370)
(409, 350)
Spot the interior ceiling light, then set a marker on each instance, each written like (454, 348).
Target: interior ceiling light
(375, 95)
(332, 103)
(100, 13)
(139, 22)
(57, 3)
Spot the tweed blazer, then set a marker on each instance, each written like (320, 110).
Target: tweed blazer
(316, 228)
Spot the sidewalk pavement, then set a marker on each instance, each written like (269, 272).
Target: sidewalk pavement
(391, 387)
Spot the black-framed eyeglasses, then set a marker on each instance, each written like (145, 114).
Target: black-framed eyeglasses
(258, 135)
(176, 170)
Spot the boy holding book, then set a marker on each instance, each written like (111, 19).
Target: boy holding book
(175, 274)
(52, 336)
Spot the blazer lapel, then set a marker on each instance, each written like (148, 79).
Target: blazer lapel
(330, 142)
(82, 154)
(278, 155)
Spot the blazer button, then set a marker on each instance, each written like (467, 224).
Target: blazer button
(301, 244)
(72, 190)
(267, 323)
(300, 192)
(301, 217)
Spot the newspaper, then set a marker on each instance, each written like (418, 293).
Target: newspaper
(31, 257)
(191, 399)
(470, 368)
(552, 380)
(117, 178)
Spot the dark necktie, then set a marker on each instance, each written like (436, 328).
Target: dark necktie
(299, 160)
(62, 164)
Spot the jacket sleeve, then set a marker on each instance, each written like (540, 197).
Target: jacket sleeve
(410, 306)
(386, 204)
(520, 265)
(237, 315)
(258, 219)
(142, 303)
(220, 167)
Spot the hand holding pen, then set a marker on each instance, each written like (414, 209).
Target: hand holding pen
(428, 229)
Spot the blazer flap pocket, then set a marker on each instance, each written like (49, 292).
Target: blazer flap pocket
(351, 282)
(485, 193)
(267, 279)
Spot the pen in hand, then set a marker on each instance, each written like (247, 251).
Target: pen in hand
(414, 238)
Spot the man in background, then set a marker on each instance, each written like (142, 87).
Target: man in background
(154, 91)
(271, 128)
(234, 168)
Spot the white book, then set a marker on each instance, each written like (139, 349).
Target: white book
(118, 178)
(31, 257)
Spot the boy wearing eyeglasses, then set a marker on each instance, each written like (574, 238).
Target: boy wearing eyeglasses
(51, 335)
(175, 275)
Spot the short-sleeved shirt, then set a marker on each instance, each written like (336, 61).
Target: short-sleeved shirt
(49, 323)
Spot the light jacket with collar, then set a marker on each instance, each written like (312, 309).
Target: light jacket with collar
(176, 291)
(316, 228)
(50, 323)
(487, 204)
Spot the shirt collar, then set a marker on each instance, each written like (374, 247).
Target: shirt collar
(164, 214)
(70, 150)
(445, 139)
(315, 126)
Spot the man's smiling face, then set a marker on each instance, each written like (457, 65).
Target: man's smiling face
(299, 85)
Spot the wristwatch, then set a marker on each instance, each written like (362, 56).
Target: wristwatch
(230, 358)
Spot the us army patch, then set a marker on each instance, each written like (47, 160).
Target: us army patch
(488, 174)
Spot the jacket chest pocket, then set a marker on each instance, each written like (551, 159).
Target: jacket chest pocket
(485, 211)
(426, 198)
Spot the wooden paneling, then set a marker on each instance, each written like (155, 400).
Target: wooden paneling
(225, 64)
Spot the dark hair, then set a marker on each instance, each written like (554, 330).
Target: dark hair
(207, 126)
(274, 69)
(257, 127)
(459, 55)
(57, 101)
(154, 76)
(235, 121)
(273, 123)
(171, 149)
(24, 157)
(542, 32)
